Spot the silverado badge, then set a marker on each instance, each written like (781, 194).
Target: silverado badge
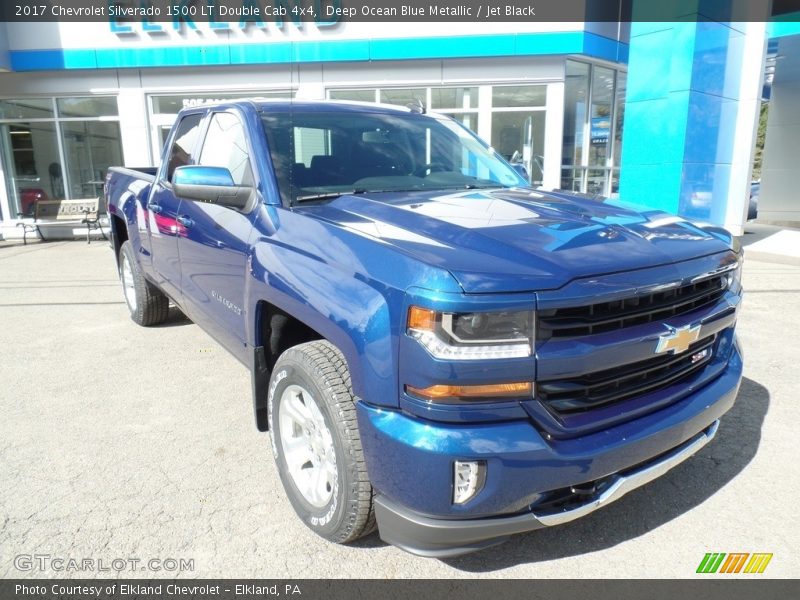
(678, 339)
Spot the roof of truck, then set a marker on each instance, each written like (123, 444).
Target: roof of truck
(286, 104)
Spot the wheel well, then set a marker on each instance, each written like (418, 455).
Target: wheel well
(279, 331)
(120, 233)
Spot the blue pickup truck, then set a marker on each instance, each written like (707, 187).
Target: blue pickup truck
(437, 349)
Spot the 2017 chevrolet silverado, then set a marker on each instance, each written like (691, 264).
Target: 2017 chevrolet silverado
(436, 348)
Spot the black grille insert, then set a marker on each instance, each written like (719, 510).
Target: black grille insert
(593, 390)
(636, 310)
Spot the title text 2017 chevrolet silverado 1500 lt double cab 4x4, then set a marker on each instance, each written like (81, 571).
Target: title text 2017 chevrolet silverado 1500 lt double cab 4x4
(436, 349)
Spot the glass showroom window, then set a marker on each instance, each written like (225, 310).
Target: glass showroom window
(91, 147)
(518, 120)
(461, 103)
(54, 148)
(619, 120)
(164, 109)
(594, 99)
(360, 95)
(404, 96)
(516, 113)
(398, 96)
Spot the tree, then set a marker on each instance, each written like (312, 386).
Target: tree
(758, 155)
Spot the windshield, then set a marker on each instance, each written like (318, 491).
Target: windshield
(320, 155)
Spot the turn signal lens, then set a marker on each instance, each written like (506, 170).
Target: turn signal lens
(421, 318)
(487, 393)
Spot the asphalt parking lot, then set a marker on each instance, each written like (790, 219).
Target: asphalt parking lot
(119, 442)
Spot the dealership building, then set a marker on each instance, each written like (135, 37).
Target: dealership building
(674, 104)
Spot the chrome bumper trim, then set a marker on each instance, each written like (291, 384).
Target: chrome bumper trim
(630, 481)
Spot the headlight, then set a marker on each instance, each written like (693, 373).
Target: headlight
(472, 336)
(733, 278)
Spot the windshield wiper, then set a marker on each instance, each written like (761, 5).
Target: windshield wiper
(359, 191)
(355, 192)
(327, 196)
(331, 195)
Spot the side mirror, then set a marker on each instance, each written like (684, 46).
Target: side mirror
(210, 184)
(520, 168)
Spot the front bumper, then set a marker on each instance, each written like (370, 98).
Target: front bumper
(410, 465)
(443, 538)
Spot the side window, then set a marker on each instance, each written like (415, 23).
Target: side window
(226, 146)
(180, 154)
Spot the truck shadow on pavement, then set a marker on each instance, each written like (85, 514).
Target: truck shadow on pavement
(648, 507)
(176, 318)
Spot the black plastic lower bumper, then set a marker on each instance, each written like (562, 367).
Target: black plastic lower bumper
(441, 538)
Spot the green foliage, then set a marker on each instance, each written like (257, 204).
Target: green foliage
(760, 138)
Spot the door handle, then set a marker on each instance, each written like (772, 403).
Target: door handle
(156, 208)
(185, 221)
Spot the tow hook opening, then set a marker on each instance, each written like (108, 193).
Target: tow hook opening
(573, 496)
(586, 489)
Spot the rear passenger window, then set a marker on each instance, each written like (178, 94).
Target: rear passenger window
(226, 146)
(180, 154)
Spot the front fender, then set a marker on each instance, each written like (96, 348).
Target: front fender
(351, 314)
(347, 287)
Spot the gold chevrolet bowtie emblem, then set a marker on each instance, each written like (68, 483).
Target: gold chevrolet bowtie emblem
(678, 339)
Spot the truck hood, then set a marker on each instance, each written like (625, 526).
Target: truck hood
(515, 240)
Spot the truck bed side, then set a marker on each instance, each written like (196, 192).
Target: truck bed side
(126, 190)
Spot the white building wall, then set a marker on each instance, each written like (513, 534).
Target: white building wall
(5, 61)
(779, 201)
(745, 126)
(553, 136)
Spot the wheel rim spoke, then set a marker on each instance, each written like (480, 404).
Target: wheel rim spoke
(297, 411)
(330, 468)
(311, 491)
(307, 446)
(128, 284)
(297, 453)
(320, 479)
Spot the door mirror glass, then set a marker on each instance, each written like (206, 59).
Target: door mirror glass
(210, 184)
(520, 168)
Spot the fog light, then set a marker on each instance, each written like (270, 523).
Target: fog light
(468, 479)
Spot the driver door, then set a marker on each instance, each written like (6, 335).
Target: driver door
(213, 252)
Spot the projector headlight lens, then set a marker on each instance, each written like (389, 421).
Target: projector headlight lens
(472, 336)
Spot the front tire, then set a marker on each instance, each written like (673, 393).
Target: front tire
(316, 443)
(146, 303)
